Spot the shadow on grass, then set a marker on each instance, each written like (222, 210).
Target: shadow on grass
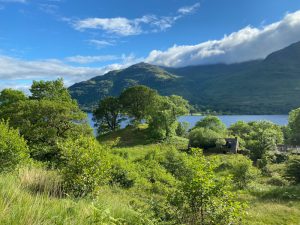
(128, 137)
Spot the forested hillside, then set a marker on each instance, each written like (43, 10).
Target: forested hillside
(269, 86)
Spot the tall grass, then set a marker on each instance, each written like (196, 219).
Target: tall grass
(35, 197)
(41, 181)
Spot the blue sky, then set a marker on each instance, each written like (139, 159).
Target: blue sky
(76, 40)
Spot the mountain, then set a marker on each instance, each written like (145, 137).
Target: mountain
(269, 86)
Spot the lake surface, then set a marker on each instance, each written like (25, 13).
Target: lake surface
(226, 119)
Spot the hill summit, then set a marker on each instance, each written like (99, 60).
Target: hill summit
(269, 86)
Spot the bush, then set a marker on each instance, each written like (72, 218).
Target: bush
(293, 169)
(203, 138)
(122, 173)
(176, 163)
(85, 165)
(277, 180)
(206, 197)
(13, 148)
(182, 129)
(241, 169)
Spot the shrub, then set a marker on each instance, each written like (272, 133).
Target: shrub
(182, 129)
(203, 138)
(277, 180)
(85, 165)
(175, 163)
(13, 148)
(122, 173)
(206, 198)
(241, 169)
(293, 169)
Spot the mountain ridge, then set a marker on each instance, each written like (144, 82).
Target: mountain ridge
(267, 86)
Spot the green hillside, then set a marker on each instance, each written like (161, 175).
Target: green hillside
(269, 86)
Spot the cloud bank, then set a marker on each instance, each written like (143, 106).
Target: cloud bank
(246, 44)
(13, 70)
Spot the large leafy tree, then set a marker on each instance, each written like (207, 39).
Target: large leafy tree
(50, 90)
(260, 137)
(138, 101)
(204, 138)
(163, 120)
(9, 96)
(108, 115)
(212, 123)
(45, 119)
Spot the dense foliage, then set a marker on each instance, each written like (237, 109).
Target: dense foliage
(137, 102)
(85, 165)
(293, 169)
(260, 138)
(43, 119)
(293, 128)
(13, 148)
(108, 115)
(206, 198)
(141, 104)
(143, 174)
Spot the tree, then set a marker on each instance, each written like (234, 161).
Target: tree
(85, 165)
(204, 138)
(50, 90)
(182, 129)
(240, 129)
(163, 120)
(240, 168)
(137, 102)
(108, 115)
(45, 120)
(9, 96)
(13, 148)
(293, 169)
(206, 198)
(212, 123)
(294, 127)
(263, 139)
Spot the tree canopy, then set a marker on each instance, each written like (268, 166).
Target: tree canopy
(137, 101)
(108, 114)
(48, 116)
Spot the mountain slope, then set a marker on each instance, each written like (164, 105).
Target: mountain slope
(270, 86)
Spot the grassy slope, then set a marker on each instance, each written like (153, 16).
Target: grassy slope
(19, 206)
(267, 204)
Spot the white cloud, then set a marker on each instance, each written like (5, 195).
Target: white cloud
(189, 9)
(91, 59)
(122, 26)
(13, 71)
(100, 43)
(246, 44)
(119, 25)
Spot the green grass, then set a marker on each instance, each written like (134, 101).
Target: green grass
(19, 205)
(273, 205)
(33, 195)
(128, 137)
